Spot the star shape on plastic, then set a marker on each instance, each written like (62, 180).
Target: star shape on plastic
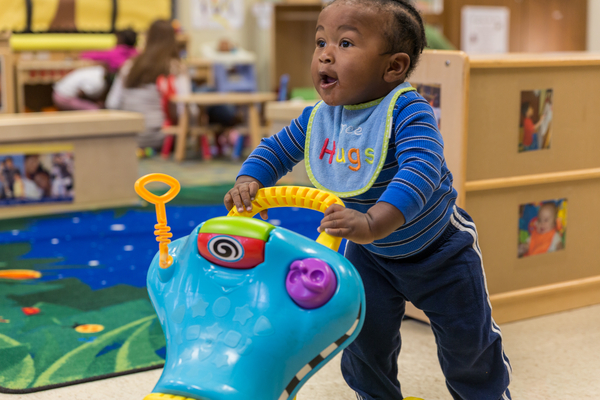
(242, 314)
(199, 308)
(212, 332)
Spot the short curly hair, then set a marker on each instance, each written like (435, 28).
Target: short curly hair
(405, 32)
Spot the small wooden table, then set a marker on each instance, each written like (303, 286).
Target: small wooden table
(250, 100)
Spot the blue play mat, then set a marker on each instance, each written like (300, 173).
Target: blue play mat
(112, 247)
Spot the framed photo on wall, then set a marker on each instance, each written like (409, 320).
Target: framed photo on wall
(535, 126)
(542, 227)
(433, 94)
(36, 174)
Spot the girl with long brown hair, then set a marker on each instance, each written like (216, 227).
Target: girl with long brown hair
(134, 88)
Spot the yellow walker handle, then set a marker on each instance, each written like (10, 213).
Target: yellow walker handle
(162, 231)
(294, 196)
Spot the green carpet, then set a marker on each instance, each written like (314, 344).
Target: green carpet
(51, 351)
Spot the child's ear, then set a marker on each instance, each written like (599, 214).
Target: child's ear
(397, 66)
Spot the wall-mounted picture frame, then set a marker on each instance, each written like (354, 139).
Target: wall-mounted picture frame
(542, 227)
(433, 94)
(36, 174)
(535, 122)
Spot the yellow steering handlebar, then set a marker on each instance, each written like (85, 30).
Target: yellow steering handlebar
(294, 196)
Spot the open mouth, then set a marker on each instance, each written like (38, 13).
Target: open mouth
(327, 81)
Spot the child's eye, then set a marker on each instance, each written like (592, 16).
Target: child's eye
(345, 43)
(320, 43)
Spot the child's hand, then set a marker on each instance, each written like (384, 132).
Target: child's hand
(350, 224)
(242, 194)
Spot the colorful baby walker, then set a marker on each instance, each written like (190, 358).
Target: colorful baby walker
(249, 310)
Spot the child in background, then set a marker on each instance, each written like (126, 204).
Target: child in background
(8, 170)
(530, 139)
(82, 89)
(115, 57)
(134, 88)
(373, 141)
(544, 236)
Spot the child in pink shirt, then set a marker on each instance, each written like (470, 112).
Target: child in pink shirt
(115, 57)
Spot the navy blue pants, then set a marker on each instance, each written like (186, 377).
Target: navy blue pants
(447, 282)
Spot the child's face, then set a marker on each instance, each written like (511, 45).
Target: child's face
(348, 64)
(529, 113)
(546, 220)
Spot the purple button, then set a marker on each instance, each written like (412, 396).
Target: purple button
(310, 283)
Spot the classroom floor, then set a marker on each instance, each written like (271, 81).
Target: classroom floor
(553, 357)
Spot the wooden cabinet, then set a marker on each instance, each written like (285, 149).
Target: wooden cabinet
(535, 25)
(294, 24)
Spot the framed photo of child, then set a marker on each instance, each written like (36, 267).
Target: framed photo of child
(433, 94)
(542, 227)
(535, 122)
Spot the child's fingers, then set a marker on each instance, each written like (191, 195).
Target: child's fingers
(340, 232)
(264, 215)
(333, 209)
(245, 195)
(253, 189)
(334, 221)
(236, 198)
(332, 214)
(228, 200)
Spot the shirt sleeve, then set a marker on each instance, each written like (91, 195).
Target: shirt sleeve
(420, 156)
(275, 156)
(115, 94)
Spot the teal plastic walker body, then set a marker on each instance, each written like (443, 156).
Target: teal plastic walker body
(250, 310)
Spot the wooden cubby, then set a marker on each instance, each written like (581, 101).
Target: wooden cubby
(480, 114)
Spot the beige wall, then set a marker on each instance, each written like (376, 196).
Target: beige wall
(593, 25)
(249, 37)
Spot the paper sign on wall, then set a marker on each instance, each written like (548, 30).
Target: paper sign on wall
(485, 30)
(217, 14)
(263, 13)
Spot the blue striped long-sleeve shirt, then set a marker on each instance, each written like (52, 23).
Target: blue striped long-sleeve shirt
(414, 178)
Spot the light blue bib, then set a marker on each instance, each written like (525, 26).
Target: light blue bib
(346, 147)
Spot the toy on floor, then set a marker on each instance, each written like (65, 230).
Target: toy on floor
(249, 310)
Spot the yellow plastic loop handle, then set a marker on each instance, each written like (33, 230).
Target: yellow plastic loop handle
(162, 231)
(295, 196)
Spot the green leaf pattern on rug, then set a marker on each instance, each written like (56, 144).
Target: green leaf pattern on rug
(83, 356)
(20, 370)
(137, 351)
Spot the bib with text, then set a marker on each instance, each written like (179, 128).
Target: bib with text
(346, 147)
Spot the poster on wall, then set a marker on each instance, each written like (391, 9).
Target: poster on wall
(535, 120)
(36, 174)
(484, 29)
(218, 14)
(433, 94)
(542, 227)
